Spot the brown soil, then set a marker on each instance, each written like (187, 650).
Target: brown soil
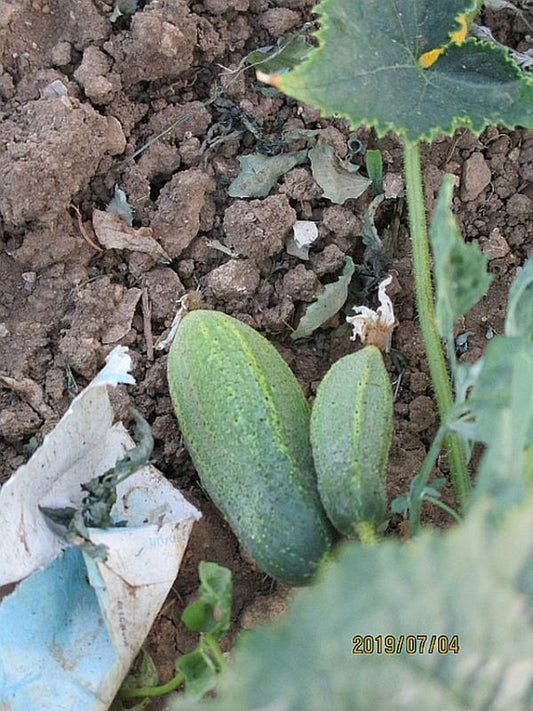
(65, 305)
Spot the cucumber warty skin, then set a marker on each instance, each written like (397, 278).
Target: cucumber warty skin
(245, 422)
(351, 434)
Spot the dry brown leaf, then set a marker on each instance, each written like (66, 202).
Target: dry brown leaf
(113, 232)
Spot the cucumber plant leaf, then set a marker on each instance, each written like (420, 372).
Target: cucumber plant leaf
(501, 399)
(210, 613)
(519, 321)
(475, 581)
(461, 276)
(367, 69)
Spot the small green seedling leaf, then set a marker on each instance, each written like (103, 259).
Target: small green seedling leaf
(211, 612)
(199, 672)
(339, 179)
(259, 173)
(374, 168)
(281, 57)
(330, 301)
(460, 269)
(519, 321)
(368, 68)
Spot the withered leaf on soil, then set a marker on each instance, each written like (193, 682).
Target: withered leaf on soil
(113, 232)
(259, 173)
(339, 179)
(330, 301)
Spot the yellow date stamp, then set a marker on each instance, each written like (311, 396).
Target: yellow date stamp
(405, 644)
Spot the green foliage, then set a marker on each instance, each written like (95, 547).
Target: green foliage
(366, 69)
(519, 320)
(475, 581)
(211, 612)
(198, 670)
(460, 269)
(328, 303)
(374, 168)
(146, 676)
(500, 404)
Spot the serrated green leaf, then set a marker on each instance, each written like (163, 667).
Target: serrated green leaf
(461, 276)
(339, 179)
(475, 581)
(367, 69)
(497, 395)
(504, 419)
(329, 302)
(259, 173)
(286, 54)
(211, 612)
(519, 321)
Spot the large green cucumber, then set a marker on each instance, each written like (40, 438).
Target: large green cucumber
(245, 422)
(351, 434)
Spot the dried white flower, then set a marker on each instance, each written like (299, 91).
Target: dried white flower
(375, 327)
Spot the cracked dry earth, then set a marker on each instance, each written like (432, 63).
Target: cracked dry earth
(79, 94)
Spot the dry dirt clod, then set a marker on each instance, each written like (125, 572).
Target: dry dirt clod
(265, 609)
(279, 20)
(519, 205)
(329, 261)
(342, 221)
(422, 413)
(95, 76)
(259, 228)
(475, 178)
(495, 246)
(179, 209)
(235, 279)
(160, 44)
(218, 7)
(52, 149)
(301, 284)
(164, 289)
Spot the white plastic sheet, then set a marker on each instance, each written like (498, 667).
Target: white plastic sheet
(70, 626)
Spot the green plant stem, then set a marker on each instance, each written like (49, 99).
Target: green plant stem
(148, 691)
(426, 315)
(421, 480)
(211, 643)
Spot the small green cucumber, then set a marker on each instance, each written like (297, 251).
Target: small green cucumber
(245, 422)
(351, 434)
